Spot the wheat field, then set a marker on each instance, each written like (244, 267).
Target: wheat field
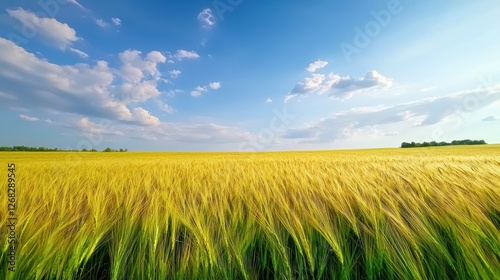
(423, 213)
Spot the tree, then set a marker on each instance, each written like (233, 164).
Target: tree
(45, 149)
(405, 145)
(434, 143)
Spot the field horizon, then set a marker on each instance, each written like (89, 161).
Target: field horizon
(310, 150)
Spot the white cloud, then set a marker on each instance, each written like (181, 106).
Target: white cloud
(289, 97)
(174, 73)
(165, 107)
(336, 86)
(116, 21)
(137, 92)
(183, 54)
(269, 100)
(423, 112)
(79, 52)
(140, 75)
(312, 84)
(144, 117)
(86, 126)
(28, 118)
(215, 85)
(52, 31)
(89, 90)
(318, 64)
(206, 18)
(198, 91)
(102, 23)
(156, 57)
(74, 2)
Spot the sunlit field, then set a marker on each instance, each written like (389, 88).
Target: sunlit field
(421, 213)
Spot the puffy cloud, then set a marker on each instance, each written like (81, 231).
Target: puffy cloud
(206, 18)
(315, 83)
(156, 57)
(269, 100)
(138, 92)
(116, 21)
(140, 76)
(79, 88)
(372, 79)
(86, 126)
(318, 64)
(215, 85)
(336, 86)
(423, 112)
(89, 90)
(183, 54)
(135, 68)
(144, 117)
(198, 91)
(28, 118)
(54, 32)
(174, 73)
(102, 23)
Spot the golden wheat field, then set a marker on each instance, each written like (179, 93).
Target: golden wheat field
(422, 213)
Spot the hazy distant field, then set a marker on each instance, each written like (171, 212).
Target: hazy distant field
(423, 213)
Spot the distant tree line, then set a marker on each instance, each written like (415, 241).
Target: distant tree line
(434, 143)
(44, 149)
(109, 150)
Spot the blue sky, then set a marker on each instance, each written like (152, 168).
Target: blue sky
(239, 75)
